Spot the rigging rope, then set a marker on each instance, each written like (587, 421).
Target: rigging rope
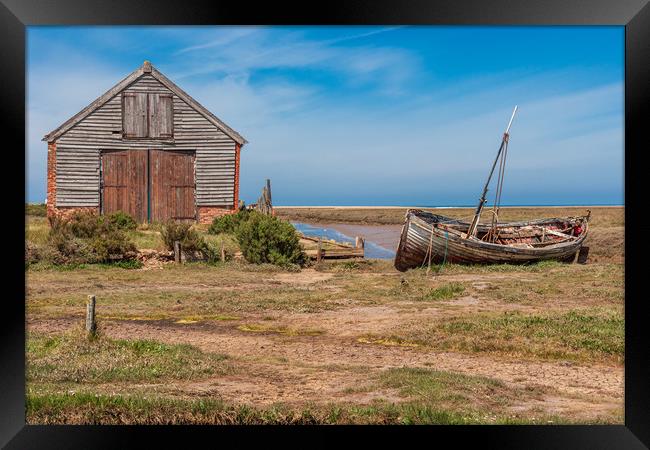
(492, 233)
(430, 251)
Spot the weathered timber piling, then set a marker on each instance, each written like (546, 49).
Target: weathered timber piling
(359, 242)
(264, 203)
(177, 252)
(319, 253)
(91, 325)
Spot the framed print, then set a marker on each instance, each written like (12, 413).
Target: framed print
(261, 220)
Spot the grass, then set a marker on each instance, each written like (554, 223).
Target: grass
(541, 266)
(147, 239)
(457, 392)
(574, 335)
(428, 397)
(37, 229)
(71, 357)
(233, 289)
(125, 264)
(89, 408)
(390, 341)
(591, 285)
(445, 292)
(260, 328)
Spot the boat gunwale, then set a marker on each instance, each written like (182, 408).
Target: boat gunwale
(494, 246)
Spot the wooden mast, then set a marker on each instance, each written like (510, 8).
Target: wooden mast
(471, 231)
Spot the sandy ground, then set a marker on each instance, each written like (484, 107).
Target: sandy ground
(332, 365)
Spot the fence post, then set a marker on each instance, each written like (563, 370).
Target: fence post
(91, 325)
(320, 249)
(177, 251)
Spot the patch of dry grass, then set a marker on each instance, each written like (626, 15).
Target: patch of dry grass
(72, 357)
(574, 335)
(571, 285)
(88, 408)
(37, 229)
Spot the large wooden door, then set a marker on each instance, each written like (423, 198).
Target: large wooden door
(124, 178)
(171, 185)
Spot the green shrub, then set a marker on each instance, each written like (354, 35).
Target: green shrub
(229, 222)
(214, 243)
(267, 239)
(83, 238)
(189, 238)
(83, 224)
(212, 252)
(112, 245)
(122, 220)
(67, 242)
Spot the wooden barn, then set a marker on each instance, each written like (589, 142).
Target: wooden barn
(147, 148)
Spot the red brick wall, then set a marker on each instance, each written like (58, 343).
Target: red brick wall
(67, 211)
(51, 178)
(207, 213)
(236, 196)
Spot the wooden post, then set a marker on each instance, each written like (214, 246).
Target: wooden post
(320, 249)
(223, 253)
(177, 252)
(359, 242)
(91, 325)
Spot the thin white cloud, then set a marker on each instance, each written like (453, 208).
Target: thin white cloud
(225, 37)
(363, 35)
(264, 49)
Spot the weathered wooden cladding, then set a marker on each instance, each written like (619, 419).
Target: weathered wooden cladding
(78, 149)
(77, 176)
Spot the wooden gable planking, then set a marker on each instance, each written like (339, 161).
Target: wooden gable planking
(78, 149)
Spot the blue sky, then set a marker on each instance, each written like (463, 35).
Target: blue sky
(379, 115)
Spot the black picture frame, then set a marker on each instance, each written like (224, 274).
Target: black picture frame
(15, 15)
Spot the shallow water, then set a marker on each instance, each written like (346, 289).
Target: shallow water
(372, 249)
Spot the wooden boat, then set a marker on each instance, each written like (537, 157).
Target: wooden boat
(441, 239)
(430, 238)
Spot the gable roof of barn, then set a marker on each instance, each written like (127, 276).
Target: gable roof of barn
(146, 68)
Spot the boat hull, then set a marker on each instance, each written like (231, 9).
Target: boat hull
(419, 233)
